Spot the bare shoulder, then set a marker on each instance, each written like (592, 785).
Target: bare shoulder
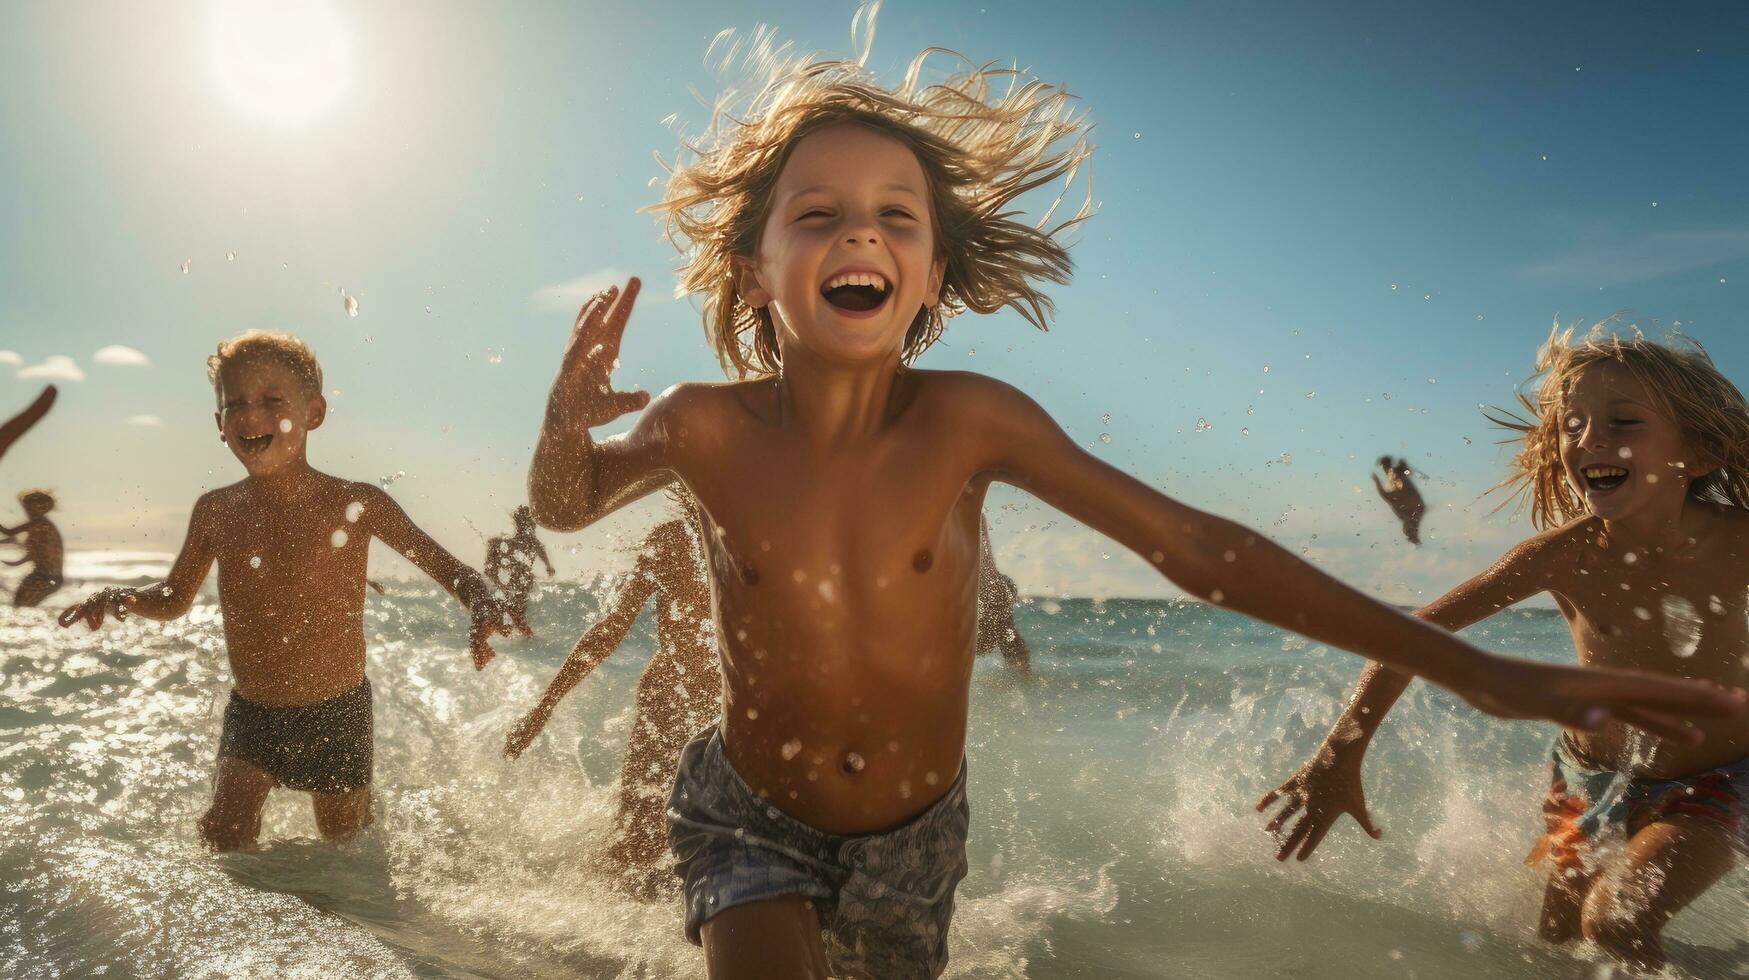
(1728, 526)
(1556, 545)
(970, 397)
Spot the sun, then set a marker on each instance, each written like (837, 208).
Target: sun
(279, 61)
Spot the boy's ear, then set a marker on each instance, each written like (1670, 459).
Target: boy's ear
(932, 291)
(219, 420)
(315, 411)
(747, 284)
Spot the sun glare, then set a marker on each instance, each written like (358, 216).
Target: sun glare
(279, 61)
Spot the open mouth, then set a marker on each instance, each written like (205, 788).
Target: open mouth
(1602, 479)
(254, 445)
(857, 292)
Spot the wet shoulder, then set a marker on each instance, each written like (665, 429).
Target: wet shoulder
(1727, 533)
(701, 409)
(964, 395)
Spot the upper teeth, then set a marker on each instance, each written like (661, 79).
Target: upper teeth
(1596, 472)
(874, 279)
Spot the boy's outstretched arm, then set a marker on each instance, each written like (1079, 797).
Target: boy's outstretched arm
(389, 523)
(19, 424)
(1329, 783)
(162, 600)
(1231, 565)
(592, 648)
(573, 480)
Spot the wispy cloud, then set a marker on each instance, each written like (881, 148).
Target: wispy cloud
(1625, 260)
(10, 357)
(57, 367)
(568, 296)
(146, 420)
(121, 356)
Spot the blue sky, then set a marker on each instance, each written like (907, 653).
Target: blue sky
(1365, 199)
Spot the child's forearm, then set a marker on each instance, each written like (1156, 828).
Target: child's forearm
(156, 602)
(1234, 566)
(1374, 696)
(561, 477)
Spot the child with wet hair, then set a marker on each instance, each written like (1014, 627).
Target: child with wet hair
(292, 545)
(831, 225)
(1634, 458)
(42, 549)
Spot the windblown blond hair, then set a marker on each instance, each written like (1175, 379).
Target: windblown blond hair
(980, 150)
(1685, 388)
(281, 348)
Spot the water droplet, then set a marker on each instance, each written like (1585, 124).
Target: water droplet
(1433, 381)
(384, 481)
(1682, 626)
(1630, 557)
(1217, 597)
(931, 778)
(1136, 136)
(494, 356)
(1467, 441)
(1393, 286)
(1642, 612)
(353, 511)
(1654, 203)
(350, 303)
(1311, 394)
(254, 561)
(230, 256)
(854, 762)
(1105, 419)
(1478, 317)
(1625, 453)
(792, 748)
(971, 352)
(1202, 424)
(428, 309)
(338, 538)
(1265, 369)
(1426, 296)
(185, 264)
(1105, 437)
(285, 425)
(1286, 459)
(1545, 156)
(752, 714)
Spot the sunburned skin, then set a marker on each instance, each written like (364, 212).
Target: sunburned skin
(841, 501)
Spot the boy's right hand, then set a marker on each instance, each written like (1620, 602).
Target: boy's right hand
(583, 395)
(1326, 787)
(94, 608)
(1586, 698)
(525, 731)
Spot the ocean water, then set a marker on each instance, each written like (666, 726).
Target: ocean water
(1112, 825)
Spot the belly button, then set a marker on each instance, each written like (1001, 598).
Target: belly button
(922, 560)
(852, 764)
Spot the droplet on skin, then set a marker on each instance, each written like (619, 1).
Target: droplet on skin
(853, 762)
(1229, 556)
(254, 561)
(792, 748)
(931, 778)
(1625, 453)
(285, 425)
(1642, 612)
(353, 510)
(1217, 597)
(1630, 558)
(752, 714)
(338, 538)
(1158, 556)
(1715, 606)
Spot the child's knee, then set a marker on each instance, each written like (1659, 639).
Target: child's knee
(1619, 925)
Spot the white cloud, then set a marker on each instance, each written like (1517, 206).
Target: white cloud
(568, 296)
(149, 420)
(121, 356)
(56, 367)
(10, 357)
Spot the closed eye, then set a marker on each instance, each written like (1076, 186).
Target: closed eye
(814, 213)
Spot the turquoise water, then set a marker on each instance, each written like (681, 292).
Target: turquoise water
(1111, 794)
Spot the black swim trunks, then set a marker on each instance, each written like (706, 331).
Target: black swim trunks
(317, 748)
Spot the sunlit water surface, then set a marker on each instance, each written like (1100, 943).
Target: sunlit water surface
(1112, 830)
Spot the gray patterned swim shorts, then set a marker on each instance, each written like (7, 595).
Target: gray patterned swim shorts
(884, 900)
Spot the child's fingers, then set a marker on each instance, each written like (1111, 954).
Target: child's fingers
(613, 326)
(1268, 798)
(630, 401)
(1294, 839)
(1313, 839)
(69, 616)
(1294, 805)
(1365, 820)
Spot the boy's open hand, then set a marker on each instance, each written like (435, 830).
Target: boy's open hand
(488, 619)
(583, 394)
(1326, 787)
(525, 731)
(1587, 697)
(94, 608)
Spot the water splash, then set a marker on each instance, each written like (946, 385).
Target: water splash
(1682, 626)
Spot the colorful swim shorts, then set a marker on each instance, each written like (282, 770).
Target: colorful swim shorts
(1587, 807)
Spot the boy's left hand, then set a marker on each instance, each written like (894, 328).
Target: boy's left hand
(488, 618)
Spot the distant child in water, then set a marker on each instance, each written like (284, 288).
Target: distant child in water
(1398, 490)
(1635, 459)
(831, 226)
(291, 544)
(510, 568)
(42, 549)
(679, 692)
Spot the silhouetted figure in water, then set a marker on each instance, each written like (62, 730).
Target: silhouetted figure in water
(18, 424)
(42, 549)
(510, 567)
(1399, 491)
(997, 596)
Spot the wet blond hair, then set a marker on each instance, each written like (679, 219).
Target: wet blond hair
(1685, 387)
(979, 149)
(281, 348)
(38, 496)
